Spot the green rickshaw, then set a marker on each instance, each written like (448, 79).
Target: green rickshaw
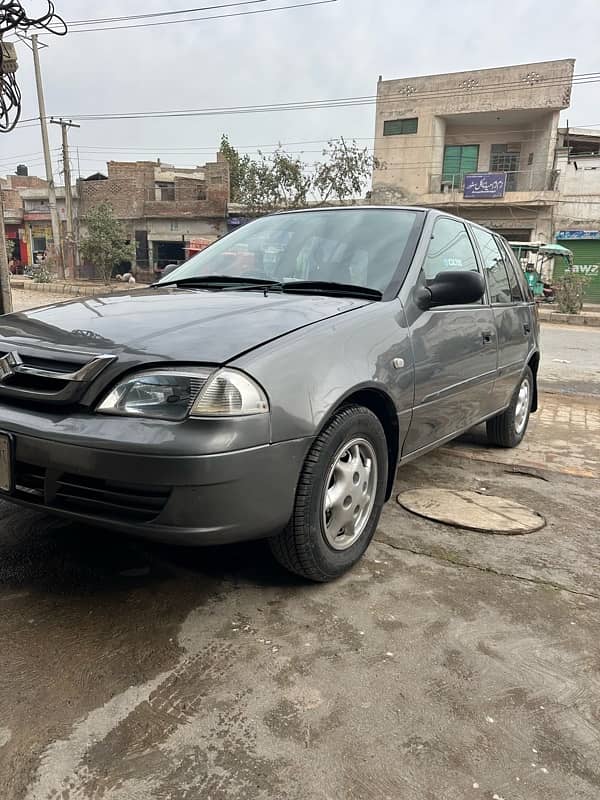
(534, 257)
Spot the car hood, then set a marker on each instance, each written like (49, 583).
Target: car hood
(168, 324)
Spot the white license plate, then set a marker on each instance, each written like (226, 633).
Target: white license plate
(6, 466)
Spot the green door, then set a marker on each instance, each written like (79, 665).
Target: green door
(459, 160)
(586, 261)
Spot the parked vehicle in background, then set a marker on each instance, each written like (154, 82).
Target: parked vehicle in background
(537, 260)
(270, 386)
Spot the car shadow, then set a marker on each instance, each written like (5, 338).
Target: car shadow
(45, 553)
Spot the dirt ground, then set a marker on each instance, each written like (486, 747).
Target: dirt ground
(30, 298)
(449, 664)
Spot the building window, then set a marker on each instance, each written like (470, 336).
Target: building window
(166, 191)
(174, 226)
(506, 158)
(459, 160)
(397, 127)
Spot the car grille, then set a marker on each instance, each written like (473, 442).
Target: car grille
(112, 500)
(58, 380)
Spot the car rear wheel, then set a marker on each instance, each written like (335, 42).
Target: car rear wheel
(339, 498)
(508, 428)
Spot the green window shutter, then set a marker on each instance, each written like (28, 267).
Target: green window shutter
(469, 158)
(459, 160)
(397, 127)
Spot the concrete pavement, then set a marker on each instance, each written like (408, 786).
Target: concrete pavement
(449, 664)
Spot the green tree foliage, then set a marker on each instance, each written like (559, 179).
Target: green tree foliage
(105, 244)
(570, 291)
(345, 171)
(238, 168)
(278, 180)
(274, 181)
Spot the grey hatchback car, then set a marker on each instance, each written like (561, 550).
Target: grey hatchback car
(270, 386)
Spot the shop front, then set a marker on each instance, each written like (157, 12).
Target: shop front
(16, 247)
(585, 246)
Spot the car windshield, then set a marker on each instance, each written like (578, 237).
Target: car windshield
(360, 247)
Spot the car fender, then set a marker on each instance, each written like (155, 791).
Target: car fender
(308, 374)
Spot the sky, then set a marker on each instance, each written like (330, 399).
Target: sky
(337, 49)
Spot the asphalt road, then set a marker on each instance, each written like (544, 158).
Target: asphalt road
(448, 665)
(571, 359)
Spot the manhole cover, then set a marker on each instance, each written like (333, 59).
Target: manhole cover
(472, 510)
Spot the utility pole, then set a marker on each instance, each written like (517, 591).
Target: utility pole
(5, 295)
(71, 253)
(49, 176)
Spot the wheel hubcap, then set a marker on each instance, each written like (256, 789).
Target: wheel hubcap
(522, 407)
(349, 493)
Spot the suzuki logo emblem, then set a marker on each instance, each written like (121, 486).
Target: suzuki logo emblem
(9, 364)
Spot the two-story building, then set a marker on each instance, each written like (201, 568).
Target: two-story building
(169, 212)
(480, 144)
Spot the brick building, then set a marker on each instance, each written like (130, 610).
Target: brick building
(27, 217)
(168, 212)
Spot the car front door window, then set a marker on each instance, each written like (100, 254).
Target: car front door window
(450, 249)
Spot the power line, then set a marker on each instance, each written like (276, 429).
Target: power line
(583, 78)
(105, 20)
(200, 149)
(181, 152)
(200, 19)
(302, 105)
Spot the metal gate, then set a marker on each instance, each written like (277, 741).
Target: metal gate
(586, 261)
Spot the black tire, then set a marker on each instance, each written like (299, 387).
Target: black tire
(507, 430)
(303, 547)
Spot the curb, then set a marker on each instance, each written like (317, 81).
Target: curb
(74, 291)
(583, 320)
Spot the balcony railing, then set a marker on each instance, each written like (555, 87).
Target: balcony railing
(527, 180)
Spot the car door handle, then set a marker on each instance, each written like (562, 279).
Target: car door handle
(486, 336)
(527, 327)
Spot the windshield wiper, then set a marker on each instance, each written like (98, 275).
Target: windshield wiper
(220, 282)
(332, 288)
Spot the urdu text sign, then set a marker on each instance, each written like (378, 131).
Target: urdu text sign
(485, 185)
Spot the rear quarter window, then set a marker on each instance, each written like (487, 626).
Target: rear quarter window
(517, 271)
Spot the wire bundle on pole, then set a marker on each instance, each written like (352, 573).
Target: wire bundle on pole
(14, 19)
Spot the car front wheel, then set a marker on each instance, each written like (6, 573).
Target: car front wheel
(339, 498)
(508, 428)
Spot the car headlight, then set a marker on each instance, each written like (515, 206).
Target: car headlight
(174, 394)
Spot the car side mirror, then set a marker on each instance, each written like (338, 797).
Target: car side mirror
(452, 288)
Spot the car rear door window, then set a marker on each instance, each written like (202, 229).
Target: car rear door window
(495, 267)
(450, 249)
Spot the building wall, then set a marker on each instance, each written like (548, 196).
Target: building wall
(124, 195)
(131, 190)
(438, 101)
(579, 176)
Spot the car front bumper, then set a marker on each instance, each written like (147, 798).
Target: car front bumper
(159, 491)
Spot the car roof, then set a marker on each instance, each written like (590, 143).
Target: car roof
(432, 212)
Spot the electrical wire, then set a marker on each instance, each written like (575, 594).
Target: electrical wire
(104, 20)
(13, 18)
(341, 102)
(200, 19)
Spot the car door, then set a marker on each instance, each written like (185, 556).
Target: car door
(454, 347)
(511, 311)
